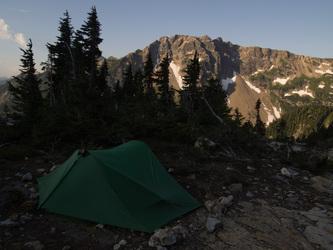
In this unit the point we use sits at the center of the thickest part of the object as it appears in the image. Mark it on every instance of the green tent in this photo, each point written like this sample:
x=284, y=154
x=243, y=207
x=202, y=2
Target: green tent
x=125, y=186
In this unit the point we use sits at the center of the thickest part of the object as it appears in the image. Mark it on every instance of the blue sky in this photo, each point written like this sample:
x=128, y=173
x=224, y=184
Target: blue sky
x=299, y=26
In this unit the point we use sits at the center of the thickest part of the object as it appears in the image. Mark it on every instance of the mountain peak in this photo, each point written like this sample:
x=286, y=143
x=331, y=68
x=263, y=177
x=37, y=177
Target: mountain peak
x=279, y=78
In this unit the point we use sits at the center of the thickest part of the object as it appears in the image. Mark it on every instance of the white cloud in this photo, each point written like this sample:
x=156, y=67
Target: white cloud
x=5, y=34
x=20, y=39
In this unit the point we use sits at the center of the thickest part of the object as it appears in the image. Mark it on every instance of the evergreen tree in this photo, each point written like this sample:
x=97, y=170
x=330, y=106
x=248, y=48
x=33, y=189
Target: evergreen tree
x=91, y=33
x=60, y=64
x=27, y=97
x=238, y=117
x=79, y=56
x=148, y=72
x=128, y=82
x=216, y=99
x=259, y=125
x=102, y=77
x=162, y=82
x=189, y=94
x=138, y=84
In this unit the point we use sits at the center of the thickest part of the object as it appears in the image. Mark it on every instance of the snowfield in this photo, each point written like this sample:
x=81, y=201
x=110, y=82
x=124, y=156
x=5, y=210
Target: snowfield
x=328, y=71
x=227, y=81
x=175, y=68
x=282, y=81
x=303, y=92
x=257, y=72
x=253, y=87
x=277, y=112
x=270, y=117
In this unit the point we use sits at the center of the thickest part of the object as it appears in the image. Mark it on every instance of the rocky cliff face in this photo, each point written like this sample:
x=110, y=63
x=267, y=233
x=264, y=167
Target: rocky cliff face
x=279, y=78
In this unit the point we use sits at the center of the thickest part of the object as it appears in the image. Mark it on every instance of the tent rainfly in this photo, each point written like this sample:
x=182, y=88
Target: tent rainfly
x=125, y=187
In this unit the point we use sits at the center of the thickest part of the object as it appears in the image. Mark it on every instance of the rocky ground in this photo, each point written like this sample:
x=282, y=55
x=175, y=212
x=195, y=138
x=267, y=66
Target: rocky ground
x=248, y=203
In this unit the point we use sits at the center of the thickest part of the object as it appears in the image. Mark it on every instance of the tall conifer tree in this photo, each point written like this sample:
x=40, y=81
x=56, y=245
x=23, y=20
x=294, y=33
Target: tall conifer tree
x=162, y=82
x=148, y=72
x=91, y=31
x=60, y=65
x=27, y=97
x=259, y=125
x=189, y=94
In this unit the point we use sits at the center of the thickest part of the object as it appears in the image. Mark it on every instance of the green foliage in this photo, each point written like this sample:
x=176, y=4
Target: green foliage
x=148, y=73
x=27, y=96
x=258, y=77
x=303, y=122
x=189, y=94
x=272, y=72
x=259, y=125
x=283, y=62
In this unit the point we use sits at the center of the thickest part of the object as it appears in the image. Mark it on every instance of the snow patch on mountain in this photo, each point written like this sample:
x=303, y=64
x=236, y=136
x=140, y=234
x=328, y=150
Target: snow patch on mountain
x=277, y=112
x=175, y=68
x=282, y=81
x=253, y=87
x=257, y=72
x=227, y=81
x=328, y=71
x=270, y=116
x=301, y=93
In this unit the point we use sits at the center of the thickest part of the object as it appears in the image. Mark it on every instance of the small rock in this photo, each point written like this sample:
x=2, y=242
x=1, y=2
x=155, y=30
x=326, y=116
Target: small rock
x=225, y=201
x=15, y=217
x=41, y=170
x=26, y=217
x=250, y=169
x=249, y=194
x=192, y=177
x=28, y=205
x=34, y=196
x=116, y=247
x=236, y=188
x=122, y=242
x=36, y=245
x=285, y=172
x=120, y=245
x=100, y=226
x=209, y=204
x=180, y=230
x=27, y=177
x=163, y=237
x=8, y=223
x=212, y=224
